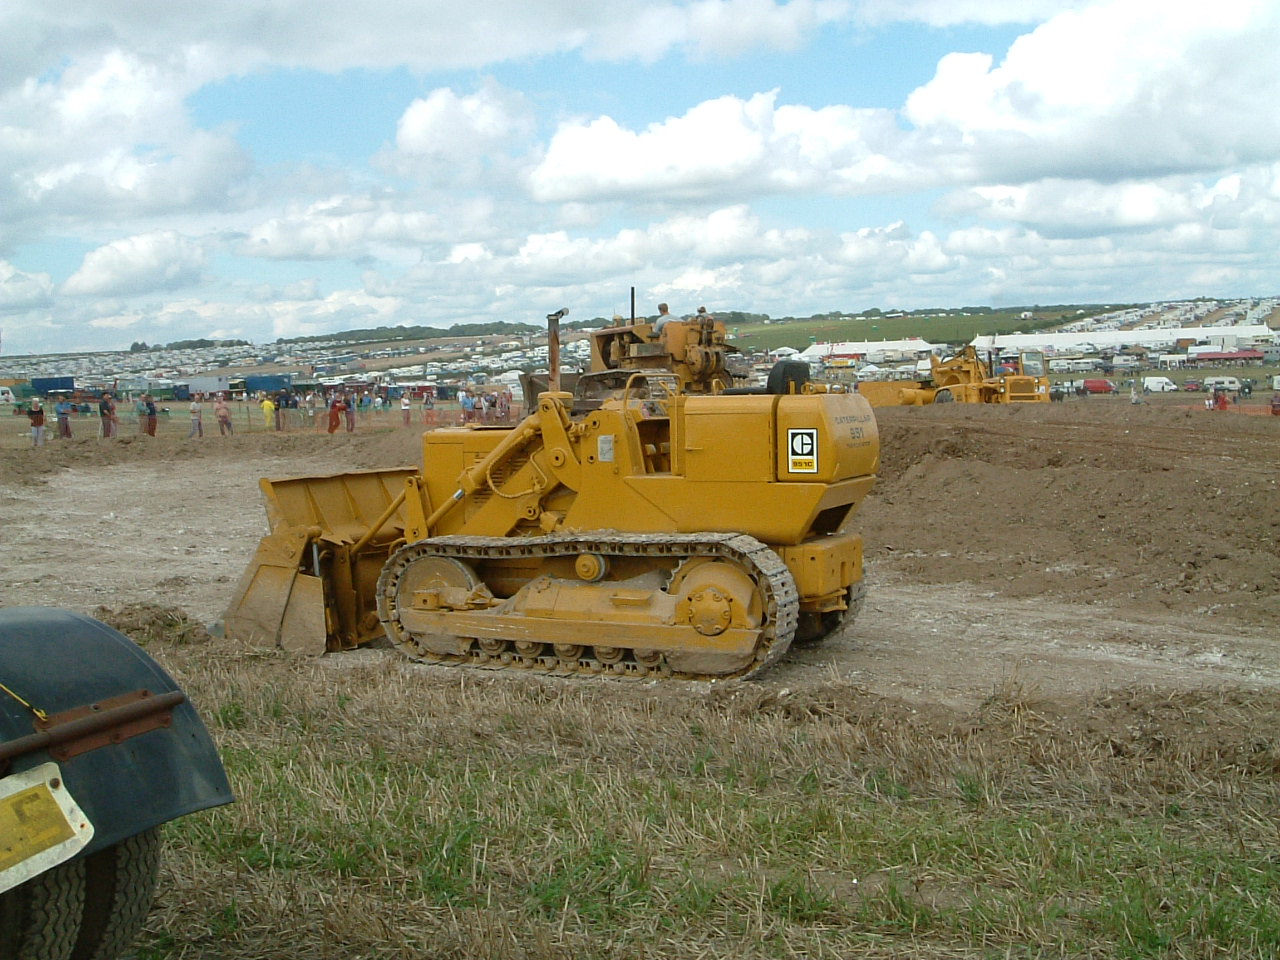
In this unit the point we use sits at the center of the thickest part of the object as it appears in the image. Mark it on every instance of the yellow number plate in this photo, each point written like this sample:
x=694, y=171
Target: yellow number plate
x=40, y=824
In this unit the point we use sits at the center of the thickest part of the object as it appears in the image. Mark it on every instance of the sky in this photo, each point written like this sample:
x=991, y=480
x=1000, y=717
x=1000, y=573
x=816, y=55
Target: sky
x=261, y=171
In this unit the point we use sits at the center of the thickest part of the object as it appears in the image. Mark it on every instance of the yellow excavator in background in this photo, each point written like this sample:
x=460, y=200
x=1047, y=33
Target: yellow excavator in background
x=965, y=378
x=658, y=532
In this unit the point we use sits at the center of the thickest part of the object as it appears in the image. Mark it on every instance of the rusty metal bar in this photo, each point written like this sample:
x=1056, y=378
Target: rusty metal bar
x=90, y=725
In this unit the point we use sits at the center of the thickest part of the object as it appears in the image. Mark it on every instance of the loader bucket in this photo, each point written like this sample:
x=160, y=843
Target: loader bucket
x=310, y=586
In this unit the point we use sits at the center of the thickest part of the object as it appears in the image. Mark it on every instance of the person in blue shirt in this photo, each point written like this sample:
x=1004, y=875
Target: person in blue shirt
x=62, y=409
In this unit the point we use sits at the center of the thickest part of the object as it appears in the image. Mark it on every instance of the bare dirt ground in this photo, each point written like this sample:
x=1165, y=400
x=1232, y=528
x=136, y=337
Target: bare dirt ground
x=1072, y=548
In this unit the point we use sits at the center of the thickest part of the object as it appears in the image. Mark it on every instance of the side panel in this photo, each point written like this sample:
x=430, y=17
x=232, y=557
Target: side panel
x=826, y=438
x=729, y=438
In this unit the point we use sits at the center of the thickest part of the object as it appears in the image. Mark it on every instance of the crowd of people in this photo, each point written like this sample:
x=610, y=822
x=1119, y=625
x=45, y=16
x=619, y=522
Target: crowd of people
x=334, y=410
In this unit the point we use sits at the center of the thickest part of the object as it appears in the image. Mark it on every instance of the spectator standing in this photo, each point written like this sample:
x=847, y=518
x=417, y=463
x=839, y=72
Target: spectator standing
x=468, y=406
x=350, y=403
x=140, y=411
x=197, y=419
x=35, y=413
x=150, y=414
x=223, y=414
x=406, y=408
x=336, y=409
x=268, y=412
x=62, y=411
x=107, y=414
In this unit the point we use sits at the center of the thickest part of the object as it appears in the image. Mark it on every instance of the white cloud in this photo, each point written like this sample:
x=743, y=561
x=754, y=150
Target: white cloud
x=333, y=35
x=1134, y=85
x=344, y=228
x=1065, y=208
x=158, y=261
x=721, y=147
x=108, y=135
x=447, y=139
x=947, y=13
x=1122, y=87
x=734, y=27
x=458, y=128
x=21, y=291
x=1121, y=147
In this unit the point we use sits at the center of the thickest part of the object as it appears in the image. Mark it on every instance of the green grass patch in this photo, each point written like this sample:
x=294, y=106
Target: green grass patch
x=518, y=817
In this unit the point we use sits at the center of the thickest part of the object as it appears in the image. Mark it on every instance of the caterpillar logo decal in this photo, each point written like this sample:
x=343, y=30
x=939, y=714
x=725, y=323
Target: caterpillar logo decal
x=802, y=450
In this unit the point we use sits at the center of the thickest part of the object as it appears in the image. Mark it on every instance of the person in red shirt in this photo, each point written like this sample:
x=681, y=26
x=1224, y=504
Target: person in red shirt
x=336, y=409
x=35, y=413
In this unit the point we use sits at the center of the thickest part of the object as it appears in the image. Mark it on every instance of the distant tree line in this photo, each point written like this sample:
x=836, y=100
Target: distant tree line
x=383, y=334
x=140, y=346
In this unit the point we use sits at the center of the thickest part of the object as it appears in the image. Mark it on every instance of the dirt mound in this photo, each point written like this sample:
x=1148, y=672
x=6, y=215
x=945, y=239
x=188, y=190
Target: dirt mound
x=145, y=623
x=1096, y=500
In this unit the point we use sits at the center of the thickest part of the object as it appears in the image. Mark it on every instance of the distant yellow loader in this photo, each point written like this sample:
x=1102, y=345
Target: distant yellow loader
x=965, y=378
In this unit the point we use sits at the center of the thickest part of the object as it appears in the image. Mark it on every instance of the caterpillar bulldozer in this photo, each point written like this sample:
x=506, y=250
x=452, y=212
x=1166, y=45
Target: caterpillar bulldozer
x=659, y=532
x=692, y=351
x=965, y=378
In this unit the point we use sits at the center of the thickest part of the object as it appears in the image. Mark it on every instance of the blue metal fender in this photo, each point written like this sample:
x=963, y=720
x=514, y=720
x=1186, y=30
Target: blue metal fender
x=125, y=781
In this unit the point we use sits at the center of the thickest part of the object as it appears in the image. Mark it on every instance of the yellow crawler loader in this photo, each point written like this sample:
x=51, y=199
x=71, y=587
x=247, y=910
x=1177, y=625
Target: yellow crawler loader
x=965, y=378
x=659, y=534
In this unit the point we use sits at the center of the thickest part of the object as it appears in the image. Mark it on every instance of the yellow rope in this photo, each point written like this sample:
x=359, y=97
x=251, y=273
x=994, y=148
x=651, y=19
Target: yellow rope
x=40, y=714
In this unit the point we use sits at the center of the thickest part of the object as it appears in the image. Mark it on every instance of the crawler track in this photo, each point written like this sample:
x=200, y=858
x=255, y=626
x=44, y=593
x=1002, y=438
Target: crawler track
x=623, y=655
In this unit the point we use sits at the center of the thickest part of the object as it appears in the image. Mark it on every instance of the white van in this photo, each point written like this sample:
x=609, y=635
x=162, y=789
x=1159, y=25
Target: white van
x=1159, y=385
x=1231, y=384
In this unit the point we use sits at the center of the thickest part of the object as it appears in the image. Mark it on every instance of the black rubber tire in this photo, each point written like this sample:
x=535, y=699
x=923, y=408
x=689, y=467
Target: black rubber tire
x=86, y=909
x=40, y=919
x=120, y=883
x=943, y=396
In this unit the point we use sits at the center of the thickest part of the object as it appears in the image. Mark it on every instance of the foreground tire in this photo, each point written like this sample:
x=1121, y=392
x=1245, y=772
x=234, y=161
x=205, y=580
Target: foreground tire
x=86, y=909
x=40, y=919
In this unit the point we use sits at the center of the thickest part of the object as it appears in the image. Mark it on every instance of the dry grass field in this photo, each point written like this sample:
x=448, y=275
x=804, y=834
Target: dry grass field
x=1052, y=732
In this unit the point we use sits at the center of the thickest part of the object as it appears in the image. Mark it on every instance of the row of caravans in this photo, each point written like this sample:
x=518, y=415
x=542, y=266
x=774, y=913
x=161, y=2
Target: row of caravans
x=1085, y=364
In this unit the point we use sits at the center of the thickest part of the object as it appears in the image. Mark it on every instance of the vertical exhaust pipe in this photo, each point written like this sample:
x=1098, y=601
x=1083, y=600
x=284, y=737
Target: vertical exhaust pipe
x=553, y=347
